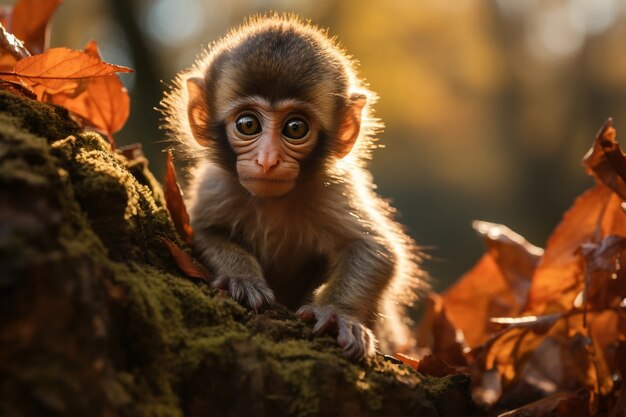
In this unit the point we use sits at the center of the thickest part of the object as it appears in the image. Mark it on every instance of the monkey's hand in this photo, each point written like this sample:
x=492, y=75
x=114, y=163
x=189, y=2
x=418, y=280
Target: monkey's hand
x=357, y=341
x=249, y=291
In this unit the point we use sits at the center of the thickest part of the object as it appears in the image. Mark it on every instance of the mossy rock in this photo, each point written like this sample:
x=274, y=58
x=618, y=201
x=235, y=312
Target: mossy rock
x=97, y=320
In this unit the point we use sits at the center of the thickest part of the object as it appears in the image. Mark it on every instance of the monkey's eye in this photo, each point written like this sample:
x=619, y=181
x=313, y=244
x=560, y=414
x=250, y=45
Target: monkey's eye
x=248, y=124
x=295, y=128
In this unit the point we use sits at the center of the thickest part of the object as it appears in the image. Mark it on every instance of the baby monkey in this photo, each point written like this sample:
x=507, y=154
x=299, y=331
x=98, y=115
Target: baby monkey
x=281, y=204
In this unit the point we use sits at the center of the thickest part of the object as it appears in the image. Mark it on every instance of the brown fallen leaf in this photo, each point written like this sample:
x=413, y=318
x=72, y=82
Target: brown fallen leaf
x=559, y=277
x=31, y=20
x=496, y=286
x=60, y=70
x=433, y=366
x=407, y=360
x=605, y=281
x=605, y=160
x=185, y=262
x=508, y=352
x=516, y=257
x=545, y=360
x=103, y=102
x=564, y=335
x=175, y=203
x=429, y=365
x=437, y=335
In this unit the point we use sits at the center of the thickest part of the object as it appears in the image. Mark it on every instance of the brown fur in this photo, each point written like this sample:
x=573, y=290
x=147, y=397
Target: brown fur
x=331, y=229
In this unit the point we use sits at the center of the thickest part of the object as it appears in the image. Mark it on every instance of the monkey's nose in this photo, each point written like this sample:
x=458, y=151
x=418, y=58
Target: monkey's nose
x=267, y=162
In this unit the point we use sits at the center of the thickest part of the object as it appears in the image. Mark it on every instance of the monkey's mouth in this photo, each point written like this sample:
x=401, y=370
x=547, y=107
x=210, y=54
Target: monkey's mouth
x=267, y=187
x=267, y=180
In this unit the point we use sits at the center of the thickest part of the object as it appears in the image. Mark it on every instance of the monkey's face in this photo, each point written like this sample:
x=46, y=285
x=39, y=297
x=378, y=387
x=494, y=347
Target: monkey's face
x=270, y=141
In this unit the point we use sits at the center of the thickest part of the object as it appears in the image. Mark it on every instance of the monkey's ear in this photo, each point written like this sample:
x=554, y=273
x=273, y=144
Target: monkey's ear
x=351, y=125
x=197, y=110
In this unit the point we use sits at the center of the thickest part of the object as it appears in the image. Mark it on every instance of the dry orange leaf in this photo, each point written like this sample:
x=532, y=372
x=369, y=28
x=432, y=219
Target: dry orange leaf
x=60, y=69
x=103, y=103
x=594, y=216
x=185, y=262
x=30, y=22
x=559, y=276
x=606, y=161
x=568, y=330
x=437, y=333
x=433, y=366
x=175, y=203
x=407, y=360
x=496, y=286
x=605, y=285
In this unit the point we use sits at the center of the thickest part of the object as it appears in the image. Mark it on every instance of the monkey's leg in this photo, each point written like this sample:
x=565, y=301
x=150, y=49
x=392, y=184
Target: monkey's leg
x=347, y=303
x=236, y=270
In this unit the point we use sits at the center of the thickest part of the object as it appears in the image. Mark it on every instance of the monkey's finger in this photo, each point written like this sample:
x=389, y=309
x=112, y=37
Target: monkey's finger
x=252, y=297
x=357, y=350
x=265, y=291
x=250, y=292
x=306, y=313
x=326, y=321
x=345, y=337
x=369, y=342
x=236, y=290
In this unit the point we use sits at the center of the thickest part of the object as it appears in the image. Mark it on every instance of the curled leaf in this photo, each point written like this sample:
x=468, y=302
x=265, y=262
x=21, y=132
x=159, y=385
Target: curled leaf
x=606, y=161
x=103, y=102
x=560, y=274
x=407, y=360
x=516, y=257
x=433, y=366
x=175, y=203
x=185, y=262
x=497, y=285
x=605, y=283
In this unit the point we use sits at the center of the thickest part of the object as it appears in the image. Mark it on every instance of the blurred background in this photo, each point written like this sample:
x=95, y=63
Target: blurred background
x=488, y=105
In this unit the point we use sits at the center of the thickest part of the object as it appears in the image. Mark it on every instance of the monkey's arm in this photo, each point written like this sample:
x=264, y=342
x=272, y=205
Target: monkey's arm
x=236, y=270
x=344, y=305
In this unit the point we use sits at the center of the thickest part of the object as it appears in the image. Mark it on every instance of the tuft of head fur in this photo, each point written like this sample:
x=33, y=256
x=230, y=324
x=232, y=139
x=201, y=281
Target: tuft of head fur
x=275, y=56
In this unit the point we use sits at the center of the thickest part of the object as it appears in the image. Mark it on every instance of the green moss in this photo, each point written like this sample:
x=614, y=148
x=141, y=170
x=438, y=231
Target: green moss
x=22, y=155
x=122, y=210
x=295, y=361
x=43, y=120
